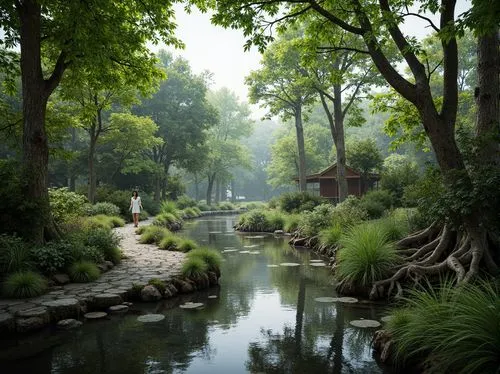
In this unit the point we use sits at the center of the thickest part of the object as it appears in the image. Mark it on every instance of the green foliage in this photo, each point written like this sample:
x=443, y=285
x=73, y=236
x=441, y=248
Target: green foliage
x=143, y=215
x=194, y=267
x=376, y=202
x=296, y=202
x=184, y=201
x=350, y=212
x=153, y=234
x=457, y=329
x=53, y=256
x=311, y=223
x=158, y=284
x=226, y=205
x=190, y=213
x=363, y=155
x=330, y=236
x=120, y=198
x=166, y=219
x=291, y=222
x=261, y=220
x=106, y=241
x=169, y=242
x=24, y=284
x=149, y=204
x=65, y=204
x=85, y=253
x=210, y=257
x=83, y=272
x=14, y=254
x=204, y=207
x=256, y=205
x=104, y=222
x=276, y=220
x=186, y=245
x=169, y=207
x=398, y=173
x=366, y=255
x=104, y=208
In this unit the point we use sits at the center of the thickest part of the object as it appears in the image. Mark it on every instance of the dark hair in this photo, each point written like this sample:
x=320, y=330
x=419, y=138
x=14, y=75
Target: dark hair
x=136, y=193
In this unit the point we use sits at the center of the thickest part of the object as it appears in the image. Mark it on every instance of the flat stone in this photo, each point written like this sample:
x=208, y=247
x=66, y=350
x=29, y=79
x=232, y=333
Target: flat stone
x=110, y=265
x=349, y=300
x=118, y=309
x=289, y=264
x=190, y=305
x=68, y=324
x=212, y=296
x=63, y=308
x=105, y=300
x=317, y=264
x=365, y=323
x=61, y=278
x=120, y=292
x=31, y=323
x=127, y=303
x=40, y=311
x=278, y=232
x=95, y=315
x=273, y=266
x=149, y=318
x=19, y=307
x=7, y=322
x=315, y=260
x=325, y=299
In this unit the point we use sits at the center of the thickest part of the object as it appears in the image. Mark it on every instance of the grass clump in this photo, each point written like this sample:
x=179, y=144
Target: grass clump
x=169, y=242
x=165, y=219
x=210, y=257
x=395, y=228
x=170, y=207
x=456, y=329
x=15, y=255
x=275, y=219
x=366, y=255
x=194, y=267
x=153, y=234
x=117, y=221
x=291, y=222
x=106, y=241
x=330, y=236
x=186, y=245
x=24, y=284
x=84, y=272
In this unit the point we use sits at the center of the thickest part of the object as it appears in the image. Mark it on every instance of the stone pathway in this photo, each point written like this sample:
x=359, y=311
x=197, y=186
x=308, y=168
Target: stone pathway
x=142, y=263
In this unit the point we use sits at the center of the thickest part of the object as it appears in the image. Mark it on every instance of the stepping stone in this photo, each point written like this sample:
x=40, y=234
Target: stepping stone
x=118, y=309
x=315, y=260
x=63, y=308
x=41, y=312
x=326, y=299
x=149, y=318
x=106, y=300
x=117, y=291
x=349, y=300
x=289, y=264
x=212, y=296
x=254, y=252
x=244, y=251
x=19, y=307
x=318, y=264
x=273, y=266
x=250, y=246
x=229, y=250
x=68, y=324
x=95, y=315
x=365, y=323
x=256, y=237
x=190, y=305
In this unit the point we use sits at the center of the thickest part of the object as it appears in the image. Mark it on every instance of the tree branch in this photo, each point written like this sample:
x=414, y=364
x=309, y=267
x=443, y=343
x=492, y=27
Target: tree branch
x=336, y=20
x=431, y=24
x=57, y=73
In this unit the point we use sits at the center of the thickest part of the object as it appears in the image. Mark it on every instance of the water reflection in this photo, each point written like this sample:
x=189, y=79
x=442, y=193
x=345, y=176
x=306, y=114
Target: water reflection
x=264, y=320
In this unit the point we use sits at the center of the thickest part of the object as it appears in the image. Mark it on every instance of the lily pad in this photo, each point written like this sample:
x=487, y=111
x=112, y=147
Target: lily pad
x=350, y=300
x=386, y=318
x=326, y=299
x=365, y=323
x=273, y=266
x=95, y=315
x=149, y=318
x=191, y=305
x=289, y=264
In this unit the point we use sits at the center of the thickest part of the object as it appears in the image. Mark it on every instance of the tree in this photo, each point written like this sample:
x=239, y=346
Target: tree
x=364, y=156
x=398, y=172
x=475, y=232
x=182, y=113
x=77, y=35
x=281, y=84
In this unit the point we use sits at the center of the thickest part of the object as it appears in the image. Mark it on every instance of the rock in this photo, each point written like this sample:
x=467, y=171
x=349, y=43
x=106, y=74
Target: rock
x=118, y=309
x=68, y=324
x=41, y=312
x=105, y=300
x=317, y=264
x=212, y=296
x=190, y=305
x=102, y=268
x=127, y=303
x=148, y=318
x=30, y=324
x=109, y=264
x=150, y=293
x=315, y=260
x=167, y=294
x=186, y=287
x=350, y=300
x=7, y=322
x=63, y=308
x=95, y=315
x=365, y=323
x=278, y=232
x=118, y=291
x=173, y=289
x=20, y=307
x=213, y=279
x=61, y=278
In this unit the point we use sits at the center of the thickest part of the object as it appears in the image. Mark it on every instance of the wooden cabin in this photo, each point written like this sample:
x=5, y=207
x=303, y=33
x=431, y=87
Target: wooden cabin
x=325, y=183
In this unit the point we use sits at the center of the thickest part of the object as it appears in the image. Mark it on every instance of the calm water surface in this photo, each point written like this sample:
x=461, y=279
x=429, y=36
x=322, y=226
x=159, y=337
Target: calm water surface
x=264, y=320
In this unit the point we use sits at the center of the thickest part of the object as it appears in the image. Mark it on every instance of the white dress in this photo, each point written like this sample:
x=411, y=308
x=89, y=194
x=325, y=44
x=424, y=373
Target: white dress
x=136, y=204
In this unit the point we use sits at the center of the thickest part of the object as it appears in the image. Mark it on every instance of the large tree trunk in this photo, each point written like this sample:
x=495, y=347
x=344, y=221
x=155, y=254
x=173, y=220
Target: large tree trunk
x=211, y=179
x=340, y=142
x=300, y=144
x=217, y=191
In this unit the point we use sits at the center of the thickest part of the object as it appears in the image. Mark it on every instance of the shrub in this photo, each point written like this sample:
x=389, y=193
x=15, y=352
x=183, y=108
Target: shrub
x=105, y=208
x=330, y=236
x=100, y=221
x=53, y=256
x=149, y=203
x=210, y=257
x=83, y=272
x=258, y=205
x=24, y=284
x=376, y=202
x=226, y=206
x=311, y=223
x=169, y=242
x=140, y=230
x=190, y=213
x=14, y=254
x=84, y=253
x=366, y=255
x=166, y=219
x=194, y=267
x=254, y=220
x=153, y=234
x=106, y=241
x=120, y=198
x=65, y=204
x=275, y=219
x=184, y=201
x=457, y=329
x=158, y=284
x=143, y=215
x=169, y=207
x=349, y=212
x=186, y=245
x=295, y=202
x=197, y=211
x=204, y=207
x=375, y=209
x=117, y=221
x=396, y=227
x=135, y=291
x=291, y=222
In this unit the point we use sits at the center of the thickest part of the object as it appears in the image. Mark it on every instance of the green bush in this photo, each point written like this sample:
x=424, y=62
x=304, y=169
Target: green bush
x=120, y=198
x=106, y=241
x=166, y=219
x=143, y=215
x=186, y=245
x=153, y=234
x=258, y=205
x=83, y=272
x=158, y=284
x=275, y=219
x=169, y=207
x=169, y=242
x=65, y=204
x=311, y=223
x=84, y=253
x=366, y=255
x=14, y=254
x=99, y=222
x=254, y=220
x=330, y=236
x=53, y=256
x=24, y=284
x=194, y=267
x=349, y=212
x=396, y=227
x=291, y=222
x=190, y=213
x=184, y=201
x=197, y=211
x=140, y=230
x=376, y=202
x=226, y=205
x=210, y=257
x=457, y=329
x=296, y=202
x=203, y=206
x=149, y=204
x=104, y=208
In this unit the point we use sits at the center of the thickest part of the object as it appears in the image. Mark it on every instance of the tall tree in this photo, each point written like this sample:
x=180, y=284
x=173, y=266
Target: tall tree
x=281, y=85
x=371, y=21
x=63, y=34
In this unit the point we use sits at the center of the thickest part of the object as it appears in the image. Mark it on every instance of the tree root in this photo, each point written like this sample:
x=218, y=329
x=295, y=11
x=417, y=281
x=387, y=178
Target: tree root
x=420, y=236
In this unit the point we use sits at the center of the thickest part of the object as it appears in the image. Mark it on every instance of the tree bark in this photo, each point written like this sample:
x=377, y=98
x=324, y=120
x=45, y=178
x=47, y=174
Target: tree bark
x=211, y=179
x=233, y=191
x=217, y=191
x=300, y=144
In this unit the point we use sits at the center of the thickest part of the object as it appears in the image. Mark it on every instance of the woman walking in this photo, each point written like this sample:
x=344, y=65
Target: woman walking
x=135, y=207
